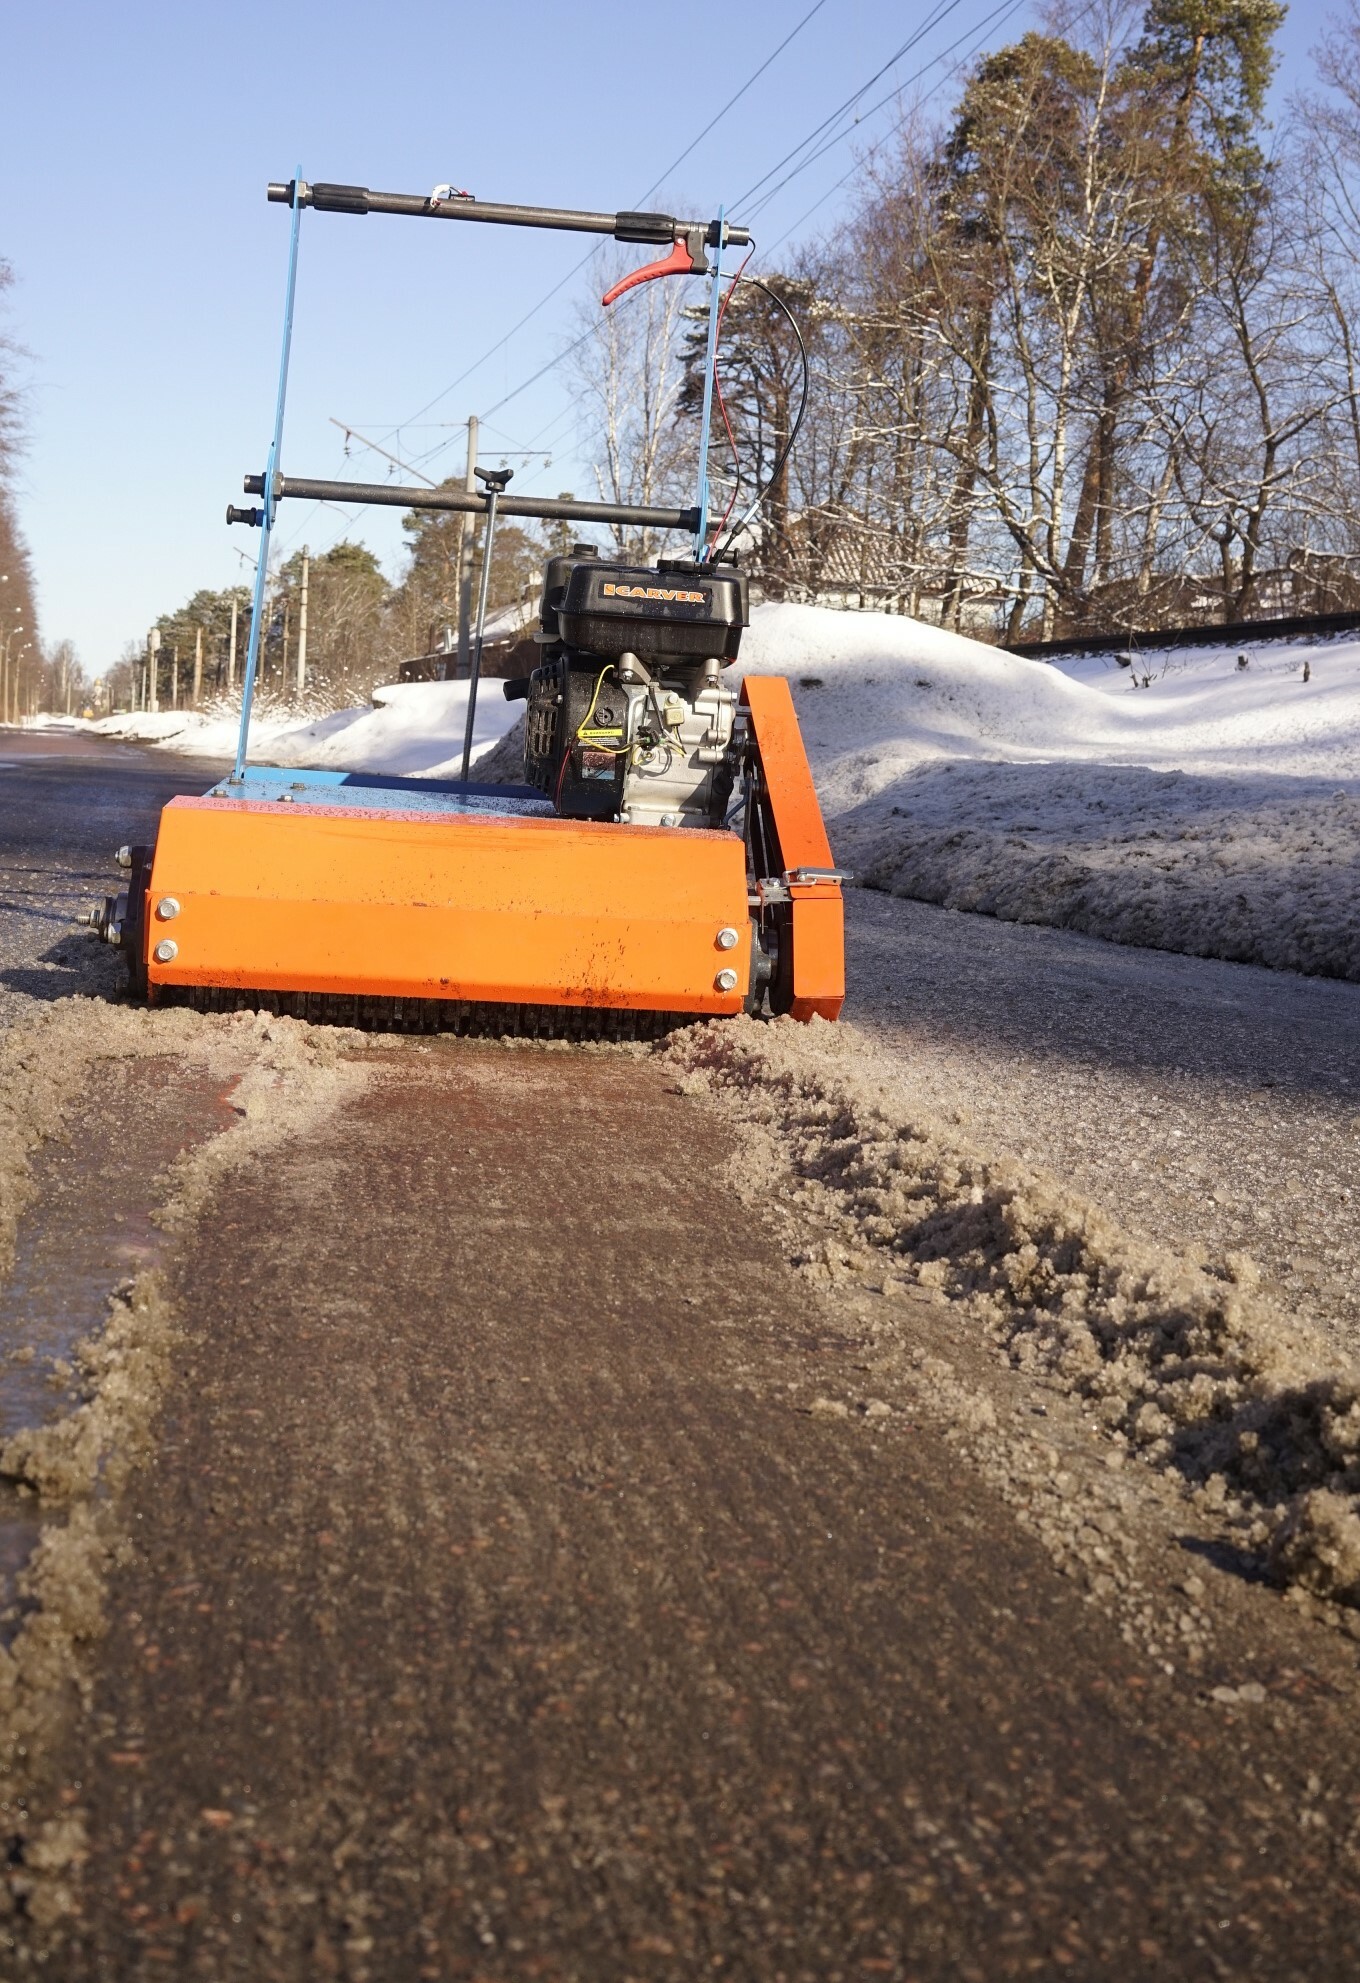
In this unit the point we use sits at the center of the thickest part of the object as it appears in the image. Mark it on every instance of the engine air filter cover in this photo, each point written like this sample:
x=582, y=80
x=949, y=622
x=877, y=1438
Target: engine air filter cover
x=695, y=611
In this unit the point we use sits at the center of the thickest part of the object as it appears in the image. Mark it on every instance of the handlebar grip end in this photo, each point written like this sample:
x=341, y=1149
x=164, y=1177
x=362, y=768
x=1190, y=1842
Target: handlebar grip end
x=328, y=198
x=644, y=227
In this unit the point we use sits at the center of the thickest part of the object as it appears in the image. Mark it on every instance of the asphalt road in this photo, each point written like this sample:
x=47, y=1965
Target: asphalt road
x=500, y=1605
x=67, y=803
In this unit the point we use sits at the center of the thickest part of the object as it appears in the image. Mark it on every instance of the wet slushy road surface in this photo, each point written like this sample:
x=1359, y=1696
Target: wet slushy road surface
x=497, y=1607
x=68, y=802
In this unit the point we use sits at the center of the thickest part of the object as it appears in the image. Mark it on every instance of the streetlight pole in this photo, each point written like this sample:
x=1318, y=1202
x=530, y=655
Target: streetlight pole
x=5, y=678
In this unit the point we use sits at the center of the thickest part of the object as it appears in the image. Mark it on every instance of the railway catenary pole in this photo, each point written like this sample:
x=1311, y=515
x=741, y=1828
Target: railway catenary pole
x=302, y=625
x=467, y=533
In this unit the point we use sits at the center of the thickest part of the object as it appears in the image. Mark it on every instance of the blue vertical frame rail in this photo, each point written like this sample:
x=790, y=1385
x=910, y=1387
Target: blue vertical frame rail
x=270, y=500
x=706, y=419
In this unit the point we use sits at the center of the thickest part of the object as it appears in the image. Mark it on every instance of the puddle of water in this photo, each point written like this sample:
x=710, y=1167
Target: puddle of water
x=87, y=1231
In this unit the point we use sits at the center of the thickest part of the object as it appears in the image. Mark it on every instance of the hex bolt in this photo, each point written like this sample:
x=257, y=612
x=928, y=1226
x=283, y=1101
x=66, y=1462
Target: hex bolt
x=166, y=952
x=123, y=857
x=727, y=939
x=727, y=981
x=167, y=908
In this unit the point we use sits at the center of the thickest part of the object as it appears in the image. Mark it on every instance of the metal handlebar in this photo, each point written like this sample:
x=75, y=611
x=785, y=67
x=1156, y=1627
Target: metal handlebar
x=326, y=197
x=474, y=503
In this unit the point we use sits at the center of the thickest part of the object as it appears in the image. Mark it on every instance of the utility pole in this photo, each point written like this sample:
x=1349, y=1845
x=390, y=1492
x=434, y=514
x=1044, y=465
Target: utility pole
x=174, y=676
x=283, y=666
x=153, y=653
x=467, y=532
x=302, y=628
x=198, y=665
x=231, y=651
x=8, y=675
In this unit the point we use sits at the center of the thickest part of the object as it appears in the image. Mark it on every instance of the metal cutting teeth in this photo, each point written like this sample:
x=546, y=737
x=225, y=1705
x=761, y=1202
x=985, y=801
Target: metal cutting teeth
x=435, y=1015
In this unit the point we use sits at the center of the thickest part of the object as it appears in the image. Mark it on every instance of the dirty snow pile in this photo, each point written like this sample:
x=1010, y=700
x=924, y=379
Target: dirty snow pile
x=1189, y=1369
x=1214, y=811
x=413, y=728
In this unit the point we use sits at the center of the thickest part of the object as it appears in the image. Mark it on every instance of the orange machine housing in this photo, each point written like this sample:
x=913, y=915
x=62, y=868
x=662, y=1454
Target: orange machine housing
x=449, y=896
x=272, y=897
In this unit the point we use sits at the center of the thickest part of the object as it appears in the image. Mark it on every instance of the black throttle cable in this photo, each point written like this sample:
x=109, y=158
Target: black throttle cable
x=787, y=449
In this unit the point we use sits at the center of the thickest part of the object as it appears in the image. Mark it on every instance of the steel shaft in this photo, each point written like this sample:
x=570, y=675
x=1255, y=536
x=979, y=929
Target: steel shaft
x=624, y=226
x=293, y=487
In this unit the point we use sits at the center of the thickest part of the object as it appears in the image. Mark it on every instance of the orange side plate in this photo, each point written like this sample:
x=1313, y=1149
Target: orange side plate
x=818, y=912
x=457, y=906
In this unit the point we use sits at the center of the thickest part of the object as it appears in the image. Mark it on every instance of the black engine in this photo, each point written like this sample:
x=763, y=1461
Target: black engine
x=627, y=714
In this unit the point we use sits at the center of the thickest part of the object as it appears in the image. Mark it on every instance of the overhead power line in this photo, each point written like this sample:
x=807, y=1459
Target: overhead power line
x=945, y=8
x=572, y=273
x=713, y=122
x=995, y=19
x=798, y=163
x=353, y=434
x=942, y=11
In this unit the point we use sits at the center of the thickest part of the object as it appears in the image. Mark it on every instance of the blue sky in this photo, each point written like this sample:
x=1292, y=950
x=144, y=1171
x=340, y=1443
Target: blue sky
x=134, y=153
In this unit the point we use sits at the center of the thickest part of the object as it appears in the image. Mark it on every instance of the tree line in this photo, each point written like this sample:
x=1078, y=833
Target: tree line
x=21, y=655
x=34, y=675
x=1084, y=353
x=360, y=626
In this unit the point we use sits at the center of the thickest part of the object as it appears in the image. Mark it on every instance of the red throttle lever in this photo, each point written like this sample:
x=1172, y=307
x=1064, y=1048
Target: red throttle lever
x=687, y=257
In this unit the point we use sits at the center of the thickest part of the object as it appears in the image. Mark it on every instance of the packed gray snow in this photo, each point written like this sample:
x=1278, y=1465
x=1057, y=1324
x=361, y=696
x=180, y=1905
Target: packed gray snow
x=1185, y=803
x=1187, y=1367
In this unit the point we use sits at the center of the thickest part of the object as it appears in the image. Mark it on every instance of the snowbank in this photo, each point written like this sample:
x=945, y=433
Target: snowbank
x=1191, y=1369
x=415, y=728
x=1215, y=811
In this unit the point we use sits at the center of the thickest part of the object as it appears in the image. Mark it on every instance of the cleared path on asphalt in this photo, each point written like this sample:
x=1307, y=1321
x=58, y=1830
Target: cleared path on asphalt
x=499, y=1610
